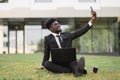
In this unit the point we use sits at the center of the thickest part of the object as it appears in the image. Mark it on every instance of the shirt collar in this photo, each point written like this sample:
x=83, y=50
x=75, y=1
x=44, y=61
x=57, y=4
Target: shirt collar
x=54, y=34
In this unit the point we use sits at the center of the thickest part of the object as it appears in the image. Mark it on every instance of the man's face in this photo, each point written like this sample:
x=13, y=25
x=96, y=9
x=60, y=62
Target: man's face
x=55, y=27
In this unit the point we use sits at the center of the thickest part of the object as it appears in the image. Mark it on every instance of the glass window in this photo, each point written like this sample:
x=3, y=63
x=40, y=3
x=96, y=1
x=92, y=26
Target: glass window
x=43, y=1
x=3, y=1
x=100, y=39
x=87, y=0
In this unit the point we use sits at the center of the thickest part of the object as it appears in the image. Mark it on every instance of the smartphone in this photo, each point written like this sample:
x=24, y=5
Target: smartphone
x=91, y=8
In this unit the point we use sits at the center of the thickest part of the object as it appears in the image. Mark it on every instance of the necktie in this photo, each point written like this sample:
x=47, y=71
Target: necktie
x=59, y=40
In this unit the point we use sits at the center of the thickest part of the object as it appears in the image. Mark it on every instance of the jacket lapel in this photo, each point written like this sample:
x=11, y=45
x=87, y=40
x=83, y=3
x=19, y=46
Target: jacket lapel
x=52, y=40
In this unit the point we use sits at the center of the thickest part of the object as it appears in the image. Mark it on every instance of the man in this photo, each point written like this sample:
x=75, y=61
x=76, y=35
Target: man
x=52, y=41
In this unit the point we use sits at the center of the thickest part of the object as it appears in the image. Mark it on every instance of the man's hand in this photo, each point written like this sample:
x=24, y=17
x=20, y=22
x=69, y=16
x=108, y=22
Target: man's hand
x=93, y=13
x=39, y=68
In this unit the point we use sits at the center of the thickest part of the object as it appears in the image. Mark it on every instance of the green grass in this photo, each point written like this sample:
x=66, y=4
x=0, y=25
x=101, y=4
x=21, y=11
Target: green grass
x=22, y=67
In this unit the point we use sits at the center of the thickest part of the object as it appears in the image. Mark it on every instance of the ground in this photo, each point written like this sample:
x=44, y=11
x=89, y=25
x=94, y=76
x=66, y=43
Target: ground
x=22, y=67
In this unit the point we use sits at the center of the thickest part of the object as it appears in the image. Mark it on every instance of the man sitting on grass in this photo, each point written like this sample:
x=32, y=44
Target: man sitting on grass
x=52, y=41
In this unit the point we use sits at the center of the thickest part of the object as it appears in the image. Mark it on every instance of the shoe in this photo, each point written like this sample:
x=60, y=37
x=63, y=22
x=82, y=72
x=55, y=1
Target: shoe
x=84, y=71
x=76, y=72
x=81, y=64
x=74, y=68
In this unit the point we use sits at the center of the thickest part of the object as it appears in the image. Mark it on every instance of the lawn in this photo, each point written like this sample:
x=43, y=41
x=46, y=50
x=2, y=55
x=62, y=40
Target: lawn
x=22, y=67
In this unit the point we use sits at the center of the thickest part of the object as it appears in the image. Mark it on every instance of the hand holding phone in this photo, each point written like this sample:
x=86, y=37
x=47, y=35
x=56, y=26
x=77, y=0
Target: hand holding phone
x=92, y=11
x=93, y=17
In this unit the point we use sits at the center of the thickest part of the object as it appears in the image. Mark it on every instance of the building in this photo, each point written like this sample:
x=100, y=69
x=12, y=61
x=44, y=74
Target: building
x=17, y=18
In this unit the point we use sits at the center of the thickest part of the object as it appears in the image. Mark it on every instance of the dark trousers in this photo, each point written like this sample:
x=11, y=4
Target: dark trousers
x=60, y=68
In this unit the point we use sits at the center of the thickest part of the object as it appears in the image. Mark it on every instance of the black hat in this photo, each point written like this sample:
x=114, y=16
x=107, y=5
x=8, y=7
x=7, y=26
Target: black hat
x=49, y=22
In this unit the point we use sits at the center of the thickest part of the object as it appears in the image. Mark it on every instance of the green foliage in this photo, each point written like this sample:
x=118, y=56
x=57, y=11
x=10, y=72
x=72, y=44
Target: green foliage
x=97, y=40
x=40, y=46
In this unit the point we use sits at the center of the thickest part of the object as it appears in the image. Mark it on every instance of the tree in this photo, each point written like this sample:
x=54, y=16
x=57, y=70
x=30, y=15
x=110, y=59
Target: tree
x=40, y=46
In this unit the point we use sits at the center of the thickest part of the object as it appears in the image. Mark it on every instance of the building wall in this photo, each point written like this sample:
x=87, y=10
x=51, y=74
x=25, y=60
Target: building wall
x=58, y=8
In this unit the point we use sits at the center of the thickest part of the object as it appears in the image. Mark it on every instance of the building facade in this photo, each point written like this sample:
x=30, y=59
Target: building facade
x=21, y=21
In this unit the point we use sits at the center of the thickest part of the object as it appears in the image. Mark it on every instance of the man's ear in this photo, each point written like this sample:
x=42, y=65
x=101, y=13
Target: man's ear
x=50, y=29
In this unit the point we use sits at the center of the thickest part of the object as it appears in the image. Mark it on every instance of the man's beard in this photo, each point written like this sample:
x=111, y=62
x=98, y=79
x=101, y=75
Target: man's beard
x=58, y=31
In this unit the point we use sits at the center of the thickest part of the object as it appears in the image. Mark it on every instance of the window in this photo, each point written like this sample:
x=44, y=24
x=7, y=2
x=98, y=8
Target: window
x=87, y=0
x=5, y=44
x=43, y=1
x=3, y=1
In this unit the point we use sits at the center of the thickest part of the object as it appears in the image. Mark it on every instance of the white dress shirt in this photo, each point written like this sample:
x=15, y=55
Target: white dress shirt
x=90, y=24
x=56, y=38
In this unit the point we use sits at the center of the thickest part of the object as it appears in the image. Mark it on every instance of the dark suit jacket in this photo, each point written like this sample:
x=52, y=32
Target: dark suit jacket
x=67, y=38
